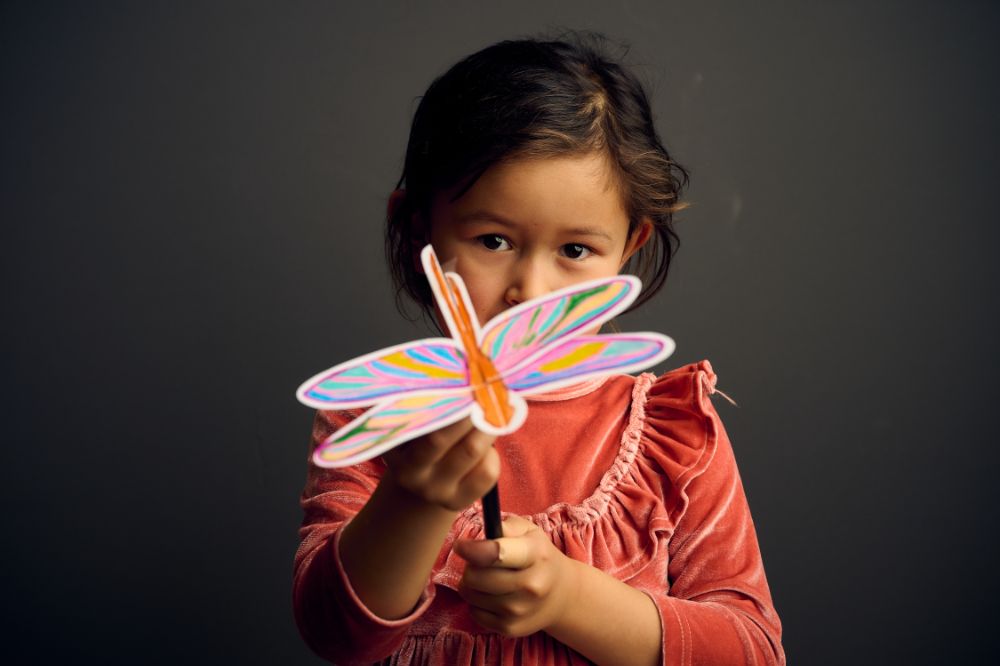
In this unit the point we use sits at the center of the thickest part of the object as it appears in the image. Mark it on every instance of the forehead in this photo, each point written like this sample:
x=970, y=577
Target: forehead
x=541, y=192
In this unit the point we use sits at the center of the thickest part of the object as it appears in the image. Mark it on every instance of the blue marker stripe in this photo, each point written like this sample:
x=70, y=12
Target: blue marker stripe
x=445, y=401
x=590, y=315
x=353, y=394
x=418, y=356
x=557, y=312
x=446, y=353
x=498, y=344
x=360, y=371
x=334, y=385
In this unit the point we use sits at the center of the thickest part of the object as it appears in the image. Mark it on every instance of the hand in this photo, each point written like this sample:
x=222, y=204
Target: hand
x=518, y=584
x=451, y=467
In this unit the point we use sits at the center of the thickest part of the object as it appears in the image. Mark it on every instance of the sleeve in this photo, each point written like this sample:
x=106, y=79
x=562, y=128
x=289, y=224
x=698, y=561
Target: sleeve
x=717, y=607
x=332, y=619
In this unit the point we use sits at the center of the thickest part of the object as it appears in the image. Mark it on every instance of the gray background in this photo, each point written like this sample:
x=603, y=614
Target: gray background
x=192, y=197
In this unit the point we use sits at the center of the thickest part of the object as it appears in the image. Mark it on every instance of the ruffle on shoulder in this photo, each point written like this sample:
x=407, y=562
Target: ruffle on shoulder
x=670, y=439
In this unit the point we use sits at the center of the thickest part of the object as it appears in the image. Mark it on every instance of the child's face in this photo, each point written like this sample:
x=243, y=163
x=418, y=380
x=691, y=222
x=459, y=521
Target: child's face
x=530, y=226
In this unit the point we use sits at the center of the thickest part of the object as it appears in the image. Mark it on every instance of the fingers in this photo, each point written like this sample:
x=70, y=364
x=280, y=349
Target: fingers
x=517, y=549
x=451, y=467
x=515, y=526
x=465, y=454
x=452, y=451
x=504, y=553
x=517, y=584
x=515, y=553
x=508, y=582
x=430, y=448
x=478, y=553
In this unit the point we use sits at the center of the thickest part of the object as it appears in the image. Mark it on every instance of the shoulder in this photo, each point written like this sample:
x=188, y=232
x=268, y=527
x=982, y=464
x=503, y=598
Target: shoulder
x=678, y=425
x=680, y=395
x=686, y=388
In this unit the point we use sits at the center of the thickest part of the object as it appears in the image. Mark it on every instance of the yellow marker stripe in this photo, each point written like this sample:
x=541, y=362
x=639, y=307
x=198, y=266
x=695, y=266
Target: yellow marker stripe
x=581, y=353
x=402, y=360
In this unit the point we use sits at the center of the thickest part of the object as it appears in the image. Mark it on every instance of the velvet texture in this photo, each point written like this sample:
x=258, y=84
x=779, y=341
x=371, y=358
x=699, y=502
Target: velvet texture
x=632, y=475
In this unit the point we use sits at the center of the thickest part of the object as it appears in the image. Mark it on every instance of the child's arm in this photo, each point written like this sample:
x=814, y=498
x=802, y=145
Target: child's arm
x=331, y=614
x=522, y=584
x=389, y=548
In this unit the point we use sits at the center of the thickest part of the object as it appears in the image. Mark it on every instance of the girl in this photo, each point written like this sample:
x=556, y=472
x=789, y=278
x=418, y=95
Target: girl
x=532, y=166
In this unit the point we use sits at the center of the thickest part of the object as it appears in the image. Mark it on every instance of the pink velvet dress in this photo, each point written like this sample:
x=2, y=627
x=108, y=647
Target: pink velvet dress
x=632, y=475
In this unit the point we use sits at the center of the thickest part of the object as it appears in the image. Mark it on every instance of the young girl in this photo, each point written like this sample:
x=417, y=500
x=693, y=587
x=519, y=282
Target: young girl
x=532, y=166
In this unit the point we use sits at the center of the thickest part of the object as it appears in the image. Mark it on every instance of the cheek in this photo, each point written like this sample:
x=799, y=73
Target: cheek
x=484, y=290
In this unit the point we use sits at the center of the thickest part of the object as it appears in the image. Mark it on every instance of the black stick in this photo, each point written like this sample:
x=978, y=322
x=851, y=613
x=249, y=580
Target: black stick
x=491, y=514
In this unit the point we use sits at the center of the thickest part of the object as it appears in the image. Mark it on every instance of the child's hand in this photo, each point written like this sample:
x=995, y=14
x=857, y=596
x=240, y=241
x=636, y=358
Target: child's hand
x=519, y=584
x=451, y=467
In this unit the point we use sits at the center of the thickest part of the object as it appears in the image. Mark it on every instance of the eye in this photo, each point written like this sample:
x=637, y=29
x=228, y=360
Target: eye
x=494, y=242
x=576, y=251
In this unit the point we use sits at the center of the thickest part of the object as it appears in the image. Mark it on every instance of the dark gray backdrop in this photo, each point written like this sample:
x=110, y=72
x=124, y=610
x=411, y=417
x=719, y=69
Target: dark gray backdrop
x=192, y=198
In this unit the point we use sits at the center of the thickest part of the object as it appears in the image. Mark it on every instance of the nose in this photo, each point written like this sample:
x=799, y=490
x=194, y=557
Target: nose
x=526, y=281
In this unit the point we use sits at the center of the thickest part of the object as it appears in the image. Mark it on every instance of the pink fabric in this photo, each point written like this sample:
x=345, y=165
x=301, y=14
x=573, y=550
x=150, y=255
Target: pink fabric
x=632, y=475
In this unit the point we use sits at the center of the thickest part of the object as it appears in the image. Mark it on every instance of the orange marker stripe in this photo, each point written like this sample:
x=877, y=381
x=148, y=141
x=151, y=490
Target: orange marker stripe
x=487, y=387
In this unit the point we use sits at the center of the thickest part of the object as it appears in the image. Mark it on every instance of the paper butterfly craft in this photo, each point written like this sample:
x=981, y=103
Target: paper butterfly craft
x=425, y=385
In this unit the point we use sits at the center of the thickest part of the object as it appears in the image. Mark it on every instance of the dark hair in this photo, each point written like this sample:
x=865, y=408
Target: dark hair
x=531, y=98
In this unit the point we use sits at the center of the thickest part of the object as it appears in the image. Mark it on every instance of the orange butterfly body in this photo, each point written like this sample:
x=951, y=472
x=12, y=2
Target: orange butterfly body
x=487, y=385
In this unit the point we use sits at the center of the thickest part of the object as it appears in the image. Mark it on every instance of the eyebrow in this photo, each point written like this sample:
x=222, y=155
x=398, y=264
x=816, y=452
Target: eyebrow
x=483, y=216
x=489, y=216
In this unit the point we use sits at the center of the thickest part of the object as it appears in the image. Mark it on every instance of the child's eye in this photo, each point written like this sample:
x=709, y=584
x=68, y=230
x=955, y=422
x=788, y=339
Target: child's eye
x=494, y=242
x=576, y=251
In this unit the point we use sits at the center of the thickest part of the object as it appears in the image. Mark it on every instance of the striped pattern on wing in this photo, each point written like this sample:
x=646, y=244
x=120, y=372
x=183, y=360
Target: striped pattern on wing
x=515, y=335
x=389, y=424
x=582, y=357
x=417, y=366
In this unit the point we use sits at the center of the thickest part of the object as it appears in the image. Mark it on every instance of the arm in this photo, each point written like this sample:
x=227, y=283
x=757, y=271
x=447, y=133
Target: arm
x=371, y=534
x=606, y=616
x=719, y=608
x=388, y=550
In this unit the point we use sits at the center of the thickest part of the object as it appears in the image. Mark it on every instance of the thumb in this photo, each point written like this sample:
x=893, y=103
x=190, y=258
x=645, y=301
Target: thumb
x=477, y=552
x=509, y=552
x=515, y=526
x=516, y=551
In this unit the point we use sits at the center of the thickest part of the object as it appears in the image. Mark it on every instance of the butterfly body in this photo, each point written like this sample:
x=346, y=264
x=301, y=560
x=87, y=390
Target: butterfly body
x=425, y=385
x=488, y=389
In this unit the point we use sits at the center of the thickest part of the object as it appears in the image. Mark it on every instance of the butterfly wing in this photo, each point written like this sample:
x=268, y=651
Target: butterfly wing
x=516, y=335
x=424, y=365
x=390, y=424
x=583, y=357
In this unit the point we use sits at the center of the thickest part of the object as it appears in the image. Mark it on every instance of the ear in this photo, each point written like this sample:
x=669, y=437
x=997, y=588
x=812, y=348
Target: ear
x=396, y=198
x=418, y=231
x=639, y=237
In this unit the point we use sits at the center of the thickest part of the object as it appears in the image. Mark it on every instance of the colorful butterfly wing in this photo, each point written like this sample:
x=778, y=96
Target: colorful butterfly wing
x=514, y=336
x=390, y=424
x=584, y=357
x=432, y=364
